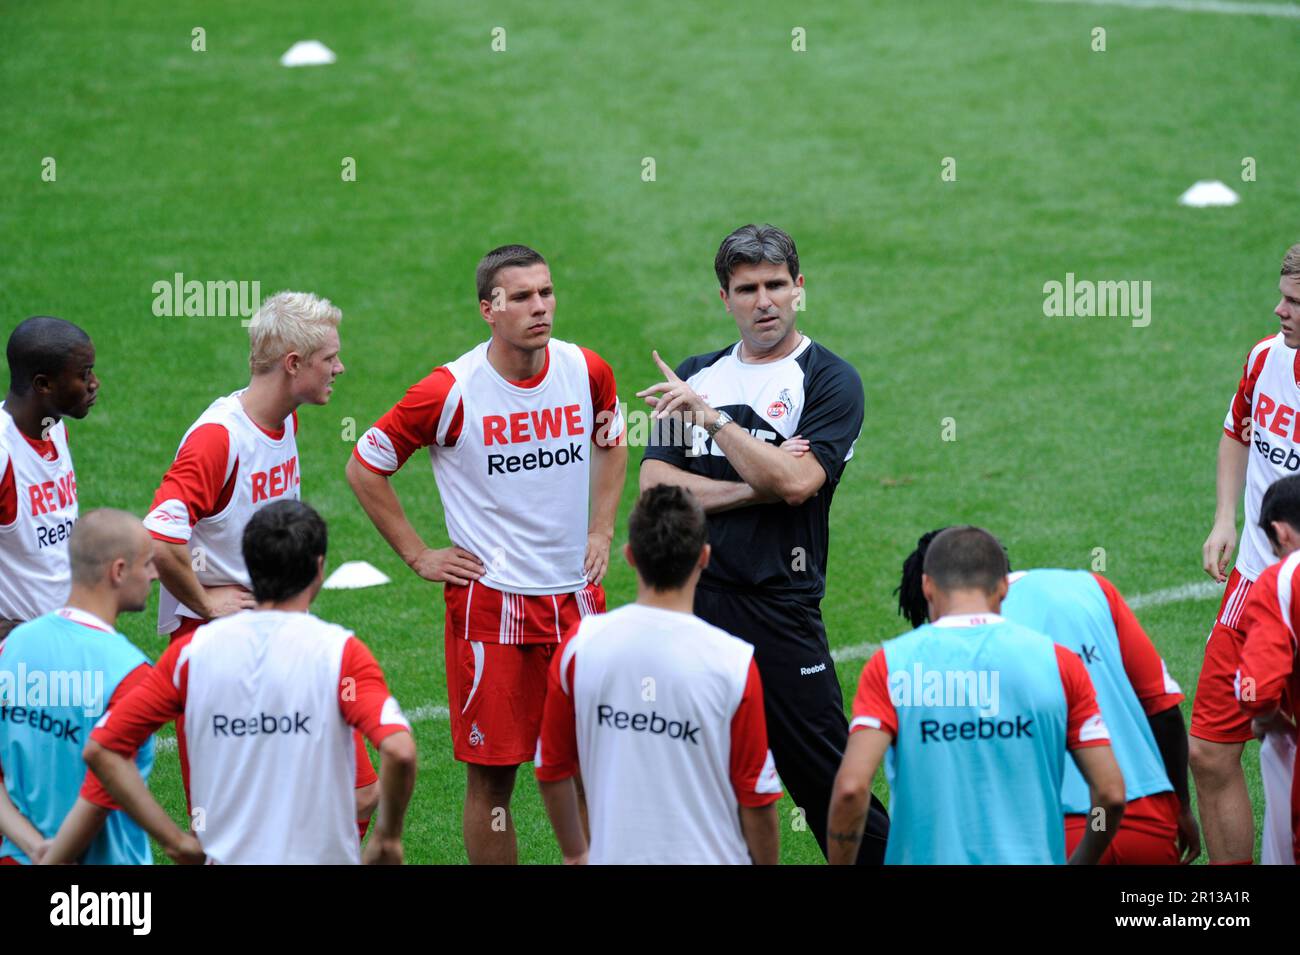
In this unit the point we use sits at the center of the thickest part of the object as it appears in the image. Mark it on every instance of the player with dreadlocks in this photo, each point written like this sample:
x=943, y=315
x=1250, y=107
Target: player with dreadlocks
x=1139, y=702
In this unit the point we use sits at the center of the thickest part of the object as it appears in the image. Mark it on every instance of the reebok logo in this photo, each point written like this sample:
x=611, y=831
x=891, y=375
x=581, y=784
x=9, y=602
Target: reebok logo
x=1275, y=454
x=932, y=731
x=808, y=671
x=264, y=723
x=534, y=460
x=42, y=722
x=606, y=715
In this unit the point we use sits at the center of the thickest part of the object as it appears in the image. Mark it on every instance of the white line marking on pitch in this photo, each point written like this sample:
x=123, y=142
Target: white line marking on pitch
x=1200, y=590
x=1287, y=11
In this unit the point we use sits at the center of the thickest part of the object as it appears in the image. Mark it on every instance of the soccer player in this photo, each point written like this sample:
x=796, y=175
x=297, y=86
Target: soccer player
x=663, y=716
x=85, y=665
x=525, y=437
x=51, y=376
x=240, y=456
x=271, y=698
x=1259, y=445
x=1084, y=613
x=974, y=778
x=769, y=511
x=1268, y=679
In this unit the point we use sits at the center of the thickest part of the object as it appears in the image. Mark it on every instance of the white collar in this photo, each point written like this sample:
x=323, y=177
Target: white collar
x=968, y=619
x=85, y=619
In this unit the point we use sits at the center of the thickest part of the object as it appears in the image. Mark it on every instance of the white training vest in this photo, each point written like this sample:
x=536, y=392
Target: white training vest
x=35, y=576
x=515, y=486
x=272, y=761
x=656, y=755
x=267, y=472
x=1274, y=449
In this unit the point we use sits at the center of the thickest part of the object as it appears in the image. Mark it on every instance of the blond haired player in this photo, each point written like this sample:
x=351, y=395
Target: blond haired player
x=238, y=457
x=525, y=437
x=1260, y=444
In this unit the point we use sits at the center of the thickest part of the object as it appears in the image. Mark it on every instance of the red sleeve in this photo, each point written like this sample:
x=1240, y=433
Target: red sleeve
x=1083, y=723
x=195, y=486
x=872, y=707
x=557, y=746
x=753, y=772
x=91, y=788
x=610, y=431
x=364, y=699
x=1146, y=671
x=1237, y=423
x=8, y=495
x=1268, y=654
x=157, y=698
x=430, y=413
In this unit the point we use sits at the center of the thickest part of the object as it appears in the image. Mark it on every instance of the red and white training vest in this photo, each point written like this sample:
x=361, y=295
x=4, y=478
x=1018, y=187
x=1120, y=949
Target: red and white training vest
x=1265, y=416
x=272, y=759
x=515, y=487
x=655, y=695
x=260, y=470
x=34, y=572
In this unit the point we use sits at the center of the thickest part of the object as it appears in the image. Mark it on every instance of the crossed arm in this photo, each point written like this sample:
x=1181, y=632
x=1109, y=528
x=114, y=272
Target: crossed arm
x=768, y=473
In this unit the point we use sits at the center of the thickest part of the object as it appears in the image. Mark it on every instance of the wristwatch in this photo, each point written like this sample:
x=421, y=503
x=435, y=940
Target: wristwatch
x=724, y=419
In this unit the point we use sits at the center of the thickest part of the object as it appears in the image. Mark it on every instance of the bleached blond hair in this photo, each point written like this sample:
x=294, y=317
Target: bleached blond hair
x=1291, y=261
x=289, y=322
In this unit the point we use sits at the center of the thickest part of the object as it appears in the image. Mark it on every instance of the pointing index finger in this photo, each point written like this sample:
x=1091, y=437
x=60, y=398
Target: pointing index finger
x=668, y=372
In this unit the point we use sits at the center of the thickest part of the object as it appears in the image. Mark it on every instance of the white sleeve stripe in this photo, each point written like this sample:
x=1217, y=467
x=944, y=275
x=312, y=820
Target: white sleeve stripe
x=616, y=426
x=171, y=518
x=1171, y=685
x=377, y=450
x=1284, y=575
x=1093, y=728
x=182, y=659
x=391, y=714
x=450, y=405
x=869, y=721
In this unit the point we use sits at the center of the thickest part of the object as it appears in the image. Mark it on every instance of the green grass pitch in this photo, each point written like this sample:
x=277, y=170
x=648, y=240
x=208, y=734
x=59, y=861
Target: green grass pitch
x=1071, y=433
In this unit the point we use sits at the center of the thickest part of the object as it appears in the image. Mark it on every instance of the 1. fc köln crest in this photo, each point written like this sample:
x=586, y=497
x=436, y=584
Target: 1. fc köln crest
x=783, y=405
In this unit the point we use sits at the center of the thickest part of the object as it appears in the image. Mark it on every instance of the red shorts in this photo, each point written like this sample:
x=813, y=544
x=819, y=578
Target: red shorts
x=1217, y=715
x=496, y=684
x=366, y=774
x=1148, y=833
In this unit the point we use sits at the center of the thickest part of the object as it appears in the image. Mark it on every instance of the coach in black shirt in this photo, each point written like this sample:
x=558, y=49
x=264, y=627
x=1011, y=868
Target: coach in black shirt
x=760, y=433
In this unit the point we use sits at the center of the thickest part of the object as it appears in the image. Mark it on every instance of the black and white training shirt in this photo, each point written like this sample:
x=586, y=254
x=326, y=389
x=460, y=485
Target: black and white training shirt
x=773, y=548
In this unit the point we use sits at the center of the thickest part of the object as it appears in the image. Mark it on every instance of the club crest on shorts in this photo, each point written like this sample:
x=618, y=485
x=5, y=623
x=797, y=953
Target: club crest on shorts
x=475, y=735
x=783, y=405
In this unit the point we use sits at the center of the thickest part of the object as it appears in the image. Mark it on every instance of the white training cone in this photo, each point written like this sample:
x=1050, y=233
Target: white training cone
x=1208, y=192
x=355, y=574
x=308, y=53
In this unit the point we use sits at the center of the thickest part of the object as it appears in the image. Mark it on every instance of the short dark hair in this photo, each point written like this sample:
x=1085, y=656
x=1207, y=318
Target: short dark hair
x=502, y=257
x=966, y=557
x=41, y=345
x=1281, y=503
x=667, y=531
x=282, y=544
x=752, y=244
